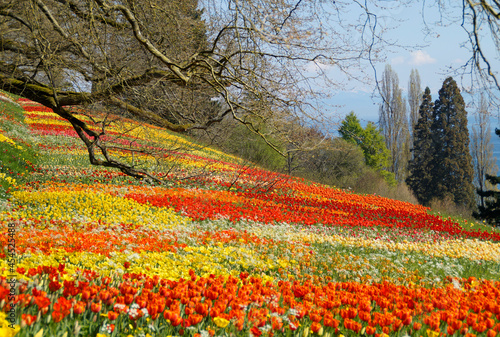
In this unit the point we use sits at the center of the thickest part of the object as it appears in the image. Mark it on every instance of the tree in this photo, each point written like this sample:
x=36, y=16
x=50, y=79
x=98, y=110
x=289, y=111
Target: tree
x=490, y=210
x=337, y=162
x=414, y=100
x=146, y=59
x=371, y=142
x=420, y=166
x=482, y=151
x=452, y=171
x=351, y=129
x=481, y=20
x=393, y=122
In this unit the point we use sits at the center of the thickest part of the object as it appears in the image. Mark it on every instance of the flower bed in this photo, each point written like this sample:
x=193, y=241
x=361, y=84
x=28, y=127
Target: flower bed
x=229, y=250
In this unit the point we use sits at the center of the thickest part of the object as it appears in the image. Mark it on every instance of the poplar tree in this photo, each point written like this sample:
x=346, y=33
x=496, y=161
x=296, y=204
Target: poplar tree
x=452, y=169
x=420, y=166
x=393, y=122
x=414, y=100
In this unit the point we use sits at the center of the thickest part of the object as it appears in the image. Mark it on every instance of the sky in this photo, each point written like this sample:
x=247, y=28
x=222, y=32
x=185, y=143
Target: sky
x=432, y=55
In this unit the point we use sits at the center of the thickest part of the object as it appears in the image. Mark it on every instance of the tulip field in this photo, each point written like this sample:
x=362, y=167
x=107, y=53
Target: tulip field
x=223, y=248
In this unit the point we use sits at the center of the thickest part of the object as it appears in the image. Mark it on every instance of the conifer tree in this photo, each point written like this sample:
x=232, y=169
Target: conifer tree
x=371, y=142
x=483, y=160
x=490, y=211
x=452, y=169
x=420, y=178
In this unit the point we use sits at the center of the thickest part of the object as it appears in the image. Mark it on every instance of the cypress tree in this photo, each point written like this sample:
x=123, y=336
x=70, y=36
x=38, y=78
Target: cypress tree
x=420, y=178
x=452, y=169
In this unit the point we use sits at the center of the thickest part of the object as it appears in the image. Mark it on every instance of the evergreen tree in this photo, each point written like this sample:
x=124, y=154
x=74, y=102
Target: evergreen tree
x=452, y=169
x=371, y=142
x=490, y=211
x=351, y=129
x=420, y=178
x=483, y=160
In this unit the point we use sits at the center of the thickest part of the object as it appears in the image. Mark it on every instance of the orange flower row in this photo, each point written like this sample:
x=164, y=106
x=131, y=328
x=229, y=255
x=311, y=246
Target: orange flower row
x=248, y=303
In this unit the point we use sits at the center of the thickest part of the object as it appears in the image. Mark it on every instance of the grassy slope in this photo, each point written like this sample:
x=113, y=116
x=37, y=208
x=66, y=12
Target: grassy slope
x=65, y=201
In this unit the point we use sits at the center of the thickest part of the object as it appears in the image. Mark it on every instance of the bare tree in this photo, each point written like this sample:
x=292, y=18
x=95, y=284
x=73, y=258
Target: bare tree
x=393, y=122
x=256, y=59
x=482, y=150
x=481, y=22
x=414, y=99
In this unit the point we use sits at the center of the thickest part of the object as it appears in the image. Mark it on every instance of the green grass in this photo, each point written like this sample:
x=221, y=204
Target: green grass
x=18, y=155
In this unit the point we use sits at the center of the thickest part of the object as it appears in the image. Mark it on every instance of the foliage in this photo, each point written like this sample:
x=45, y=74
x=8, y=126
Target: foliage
x=337, y=163
x=420, y=177
x=482, y=151
x=490, y=211
x=240, y=141
x=17, y=155
x=452, y=172
x=371, y=142
x=100, y=255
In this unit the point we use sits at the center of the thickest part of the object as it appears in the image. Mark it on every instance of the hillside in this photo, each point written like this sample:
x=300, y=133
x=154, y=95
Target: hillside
x=223, y=249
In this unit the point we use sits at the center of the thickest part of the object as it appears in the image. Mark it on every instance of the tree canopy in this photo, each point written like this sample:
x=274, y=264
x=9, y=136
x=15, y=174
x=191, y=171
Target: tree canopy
x=371, y=142
x=181, y=65
x=420, y=177
x=441, y=167
x=490, y=209
x=453, y=172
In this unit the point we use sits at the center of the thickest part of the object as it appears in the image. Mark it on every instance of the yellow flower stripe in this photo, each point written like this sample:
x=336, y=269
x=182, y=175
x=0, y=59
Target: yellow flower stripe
x=8, y=179
x=459, y=248
x=69, y=205
x=133, y=129
x=6, y=139
x=218, y=260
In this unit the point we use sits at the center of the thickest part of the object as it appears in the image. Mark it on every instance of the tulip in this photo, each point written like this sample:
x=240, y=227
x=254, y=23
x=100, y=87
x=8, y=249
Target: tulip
x=112, y=315
x=79, y=307
x=96, y=307
x=315, y=327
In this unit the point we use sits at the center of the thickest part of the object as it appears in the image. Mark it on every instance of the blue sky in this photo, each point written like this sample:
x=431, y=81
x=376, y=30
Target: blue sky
x=431, y=53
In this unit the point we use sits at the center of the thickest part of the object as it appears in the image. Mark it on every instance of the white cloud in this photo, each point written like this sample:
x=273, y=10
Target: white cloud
x=398, y=60
x=421, y=57
x=317, y=67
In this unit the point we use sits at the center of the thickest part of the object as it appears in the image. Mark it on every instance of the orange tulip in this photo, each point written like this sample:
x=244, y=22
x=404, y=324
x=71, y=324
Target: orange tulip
x=57, y=316
x=491, y=333
x=112, y=315
x=104, y=295
x=79, y=307
x=202, y=309
x=370, y=330
x=175, y=319
x=315, y=327
x=28, y=319
x=96, y=306
x=195, y=319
